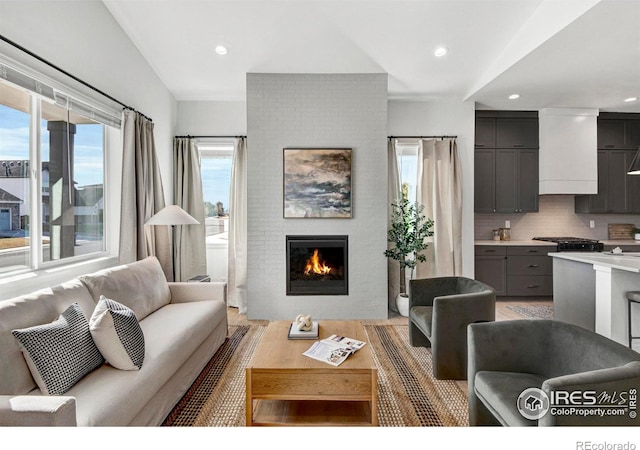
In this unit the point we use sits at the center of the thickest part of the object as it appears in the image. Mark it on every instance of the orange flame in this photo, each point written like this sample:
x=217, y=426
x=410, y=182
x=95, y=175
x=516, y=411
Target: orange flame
x=316, y=266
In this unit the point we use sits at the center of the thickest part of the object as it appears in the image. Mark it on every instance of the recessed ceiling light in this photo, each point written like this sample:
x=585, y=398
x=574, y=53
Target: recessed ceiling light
x=631, y=99
x=221, y=50
x=440, y=51
x=514, y=96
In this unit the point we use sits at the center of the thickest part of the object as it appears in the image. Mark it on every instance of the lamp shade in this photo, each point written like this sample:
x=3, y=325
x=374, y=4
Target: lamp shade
x=634, y=168
x=172, y=215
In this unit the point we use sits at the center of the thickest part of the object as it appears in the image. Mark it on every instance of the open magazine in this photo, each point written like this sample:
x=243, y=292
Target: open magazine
x=334, y=350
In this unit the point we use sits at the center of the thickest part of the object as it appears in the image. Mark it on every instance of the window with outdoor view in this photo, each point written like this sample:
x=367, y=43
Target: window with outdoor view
x=215, y=166
x=408, y=168
x=51, y=180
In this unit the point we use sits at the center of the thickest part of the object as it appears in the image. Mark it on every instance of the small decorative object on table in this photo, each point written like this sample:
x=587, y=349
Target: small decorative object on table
x=304, y=323
x=304, y=328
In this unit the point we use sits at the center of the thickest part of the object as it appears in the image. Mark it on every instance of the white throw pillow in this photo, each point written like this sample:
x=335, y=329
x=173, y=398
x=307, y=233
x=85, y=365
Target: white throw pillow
x=59, y=353
x=117, y=334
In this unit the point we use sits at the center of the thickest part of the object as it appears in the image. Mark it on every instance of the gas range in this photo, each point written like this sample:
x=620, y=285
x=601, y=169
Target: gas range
x=573, y=244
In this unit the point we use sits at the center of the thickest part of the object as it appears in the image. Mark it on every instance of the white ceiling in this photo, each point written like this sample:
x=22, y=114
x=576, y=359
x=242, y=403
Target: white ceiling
x=554, y=53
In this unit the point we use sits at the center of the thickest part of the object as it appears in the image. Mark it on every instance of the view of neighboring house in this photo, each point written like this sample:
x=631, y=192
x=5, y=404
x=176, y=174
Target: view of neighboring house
x=14, y=201
x=14, y=194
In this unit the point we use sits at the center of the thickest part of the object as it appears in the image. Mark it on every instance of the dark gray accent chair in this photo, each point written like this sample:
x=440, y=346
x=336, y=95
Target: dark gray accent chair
x=440, y=309
x=507, y=357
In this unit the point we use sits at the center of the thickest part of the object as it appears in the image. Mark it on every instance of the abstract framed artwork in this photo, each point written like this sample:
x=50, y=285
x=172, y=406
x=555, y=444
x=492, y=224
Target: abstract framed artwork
x=317, y=183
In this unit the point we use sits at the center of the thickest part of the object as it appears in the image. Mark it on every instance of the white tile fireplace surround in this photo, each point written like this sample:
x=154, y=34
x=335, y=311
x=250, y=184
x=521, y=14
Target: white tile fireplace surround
x=317, y=111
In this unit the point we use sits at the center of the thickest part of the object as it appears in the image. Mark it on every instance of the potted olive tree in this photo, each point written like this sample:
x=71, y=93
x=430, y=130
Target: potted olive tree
x=636, y=234
x=409, y=229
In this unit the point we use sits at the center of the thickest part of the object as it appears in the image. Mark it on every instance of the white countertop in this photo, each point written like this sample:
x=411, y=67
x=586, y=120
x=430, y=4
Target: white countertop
x=629, y=261
x=529, y=242
x=551, y=244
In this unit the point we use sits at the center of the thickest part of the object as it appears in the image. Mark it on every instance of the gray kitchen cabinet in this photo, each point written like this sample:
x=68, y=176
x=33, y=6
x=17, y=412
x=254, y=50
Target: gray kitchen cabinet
x=491, y=267
x=515, y=271
x=618, y=193
x=506, y=180
x=529, y=271
x=517, y=133
x=485, y=182
x=506, y=162
x=485, y=135
x=618, y=130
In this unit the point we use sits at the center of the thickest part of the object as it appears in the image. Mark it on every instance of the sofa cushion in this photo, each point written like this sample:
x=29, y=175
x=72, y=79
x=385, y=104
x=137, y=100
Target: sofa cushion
x=499, y=392
x=117, y=334
x=141, y=286
x=421, y=316
x=172, y=335
x=60, y=353
x=36, y=308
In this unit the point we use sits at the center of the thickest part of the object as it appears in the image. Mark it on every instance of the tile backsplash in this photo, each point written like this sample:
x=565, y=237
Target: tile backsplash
x=556, y=217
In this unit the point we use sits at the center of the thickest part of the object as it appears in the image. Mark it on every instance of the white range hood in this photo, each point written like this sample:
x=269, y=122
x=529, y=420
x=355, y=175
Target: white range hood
x=568, y=151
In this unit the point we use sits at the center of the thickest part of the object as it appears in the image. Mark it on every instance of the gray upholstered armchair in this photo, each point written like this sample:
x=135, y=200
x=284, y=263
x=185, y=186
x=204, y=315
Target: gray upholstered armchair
x=508, y=357
x=439, y=311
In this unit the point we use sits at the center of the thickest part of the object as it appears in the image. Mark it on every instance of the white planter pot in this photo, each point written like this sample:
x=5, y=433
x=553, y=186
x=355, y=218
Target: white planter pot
x=402, y=303
x=637, y=237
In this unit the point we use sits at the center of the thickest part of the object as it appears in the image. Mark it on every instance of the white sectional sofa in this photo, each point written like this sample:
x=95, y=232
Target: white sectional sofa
x=183, y=324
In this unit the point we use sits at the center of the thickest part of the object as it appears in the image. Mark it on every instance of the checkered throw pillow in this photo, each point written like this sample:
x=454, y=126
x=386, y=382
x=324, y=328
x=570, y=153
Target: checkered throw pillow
x=60, y=353
x=117, y=334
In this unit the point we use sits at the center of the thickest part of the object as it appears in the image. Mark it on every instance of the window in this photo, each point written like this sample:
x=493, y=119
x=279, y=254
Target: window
x=215, y=167
x=52, y=172
x=408, y=168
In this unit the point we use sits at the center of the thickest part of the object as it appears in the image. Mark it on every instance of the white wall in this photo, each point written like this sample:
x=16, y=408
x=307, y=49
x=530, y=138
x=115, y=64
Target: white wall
x=330, y=110
x=83, y=39
x=451, y=118
x=212, y=118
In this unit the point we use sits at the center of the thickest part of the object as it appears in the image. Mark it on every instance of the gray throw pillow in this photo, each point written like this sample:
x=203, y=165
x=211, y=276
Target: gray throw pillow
x=59, y=353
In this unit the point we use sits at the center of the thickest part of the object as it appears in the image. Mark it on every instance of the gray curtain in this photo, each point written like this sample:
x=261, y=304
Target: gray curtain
x=237, y=283
x=189, y=244
x=440, y=191
x=393, y=195
x=142, y=195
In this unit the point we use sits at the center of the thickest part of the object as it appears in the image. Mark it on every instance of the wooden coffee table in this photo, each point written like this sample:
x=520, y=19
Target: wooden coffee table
x=284, y=387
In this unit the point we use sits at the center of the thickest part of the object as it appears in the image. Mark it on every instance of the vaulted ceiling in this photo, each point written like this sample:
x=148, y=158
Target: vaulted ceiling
x=553, y=53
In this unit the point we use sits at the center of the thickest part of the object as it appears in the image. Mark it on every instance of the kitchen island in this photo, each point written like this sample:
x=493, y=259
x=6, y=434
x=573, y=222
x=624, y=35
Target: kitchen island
x=589, y=289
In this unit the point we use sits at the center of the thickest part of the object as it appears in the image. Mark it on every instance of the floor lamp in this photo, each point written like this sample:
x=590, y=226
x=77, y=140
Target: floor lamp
x=172, y=215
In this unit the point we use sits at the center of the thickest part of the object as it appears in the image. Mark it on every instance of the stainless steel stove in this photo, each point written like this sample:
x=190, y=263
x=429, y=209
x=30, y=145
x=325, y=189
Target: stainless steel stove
x=573, y=244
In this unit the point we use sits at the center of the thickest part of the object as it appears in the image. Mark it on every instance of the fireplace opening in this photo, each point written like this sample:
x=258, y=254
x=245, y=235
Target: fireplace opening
x=317, y=265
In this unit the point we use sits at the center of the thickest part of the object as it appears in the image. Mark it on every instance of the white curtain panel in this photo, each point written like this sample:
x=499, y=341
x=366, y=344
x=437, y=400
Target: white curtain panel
x=440, y=191
x=237, y=283
x=142, y=195
x=393, y=195
x=189, y=241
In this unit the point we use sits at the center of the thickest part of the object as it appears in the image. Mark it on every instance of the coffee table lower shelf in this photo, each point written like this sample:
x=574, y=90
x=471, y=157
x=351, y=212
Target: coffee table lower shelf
x=311, y=413
x=311, y=397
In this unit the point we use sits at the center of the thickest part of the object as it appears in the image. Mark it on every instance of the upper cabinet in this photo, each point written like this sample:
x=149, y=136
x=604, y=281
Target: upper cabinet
x=618, y=141
x=618, y=131
x=506, y=162
x=506, y=129
x=517, y=133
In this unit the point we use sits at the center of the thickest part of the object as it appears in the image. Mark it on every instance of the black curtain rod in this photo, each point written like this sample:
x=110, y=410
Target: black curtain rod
x=421, y=137
x=211, y=137
x=41, y=59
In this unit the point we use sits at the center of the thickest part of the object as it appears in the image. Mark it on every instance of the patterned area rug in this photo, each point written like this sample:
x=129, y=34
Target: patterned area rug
x=408, y=395
x=534, y=312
